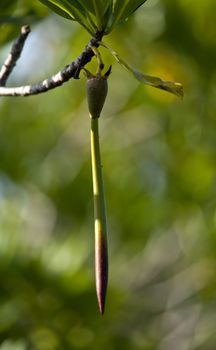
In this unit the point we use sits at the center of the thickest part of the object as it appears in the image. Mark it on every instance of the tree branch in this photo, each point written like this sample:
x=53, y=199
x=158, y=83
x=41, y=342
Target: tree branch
x=70, y=71
x=14, y=55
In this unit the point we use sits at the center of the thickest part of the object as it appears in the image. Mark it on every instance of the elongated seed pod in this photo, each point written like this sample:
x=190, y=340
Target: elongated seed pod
x=97, y=89
x=96, y=94
x=100, y=224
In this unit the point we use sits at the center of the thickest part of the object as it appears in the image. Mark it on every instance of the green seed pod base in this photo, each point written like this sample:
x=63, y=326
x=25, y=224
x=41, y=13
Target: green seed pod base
x=97, y=89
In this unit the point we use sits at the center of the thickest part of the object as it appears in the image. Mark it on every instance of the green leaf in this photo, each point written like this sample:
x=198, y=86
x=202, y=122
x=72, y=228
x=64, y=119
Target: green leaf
x=169, y=86
x=99, y=9
x=73, y=9
x=56, y=7
x=95, y=7
x=122, y=9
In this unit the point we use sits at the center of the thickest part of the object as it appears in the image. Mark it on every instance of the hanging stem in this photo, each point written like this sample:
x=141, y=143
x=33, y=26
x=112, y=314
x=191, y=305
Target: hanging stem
x=100, y=224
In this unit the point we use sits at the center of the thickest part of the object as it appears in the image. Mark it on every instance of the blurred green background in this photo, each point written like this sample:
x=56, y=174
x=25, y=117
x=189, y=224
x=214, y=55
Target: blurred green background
x=159, y=162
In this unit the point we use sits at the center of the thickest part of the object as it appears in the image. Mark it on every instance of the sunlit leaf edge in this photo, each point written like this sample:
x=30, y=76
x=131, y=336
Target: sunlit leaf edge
x=156, y=82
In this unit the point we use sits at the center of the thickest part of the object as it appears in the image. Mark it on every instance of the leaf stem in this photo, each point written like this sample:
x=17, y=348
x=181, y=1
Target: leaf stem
x=100, y=223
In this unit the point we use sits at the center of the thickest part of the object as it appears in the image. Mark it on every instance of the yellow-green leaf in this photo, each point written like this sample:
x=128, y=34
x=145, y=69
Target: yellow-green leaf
x=169, y=86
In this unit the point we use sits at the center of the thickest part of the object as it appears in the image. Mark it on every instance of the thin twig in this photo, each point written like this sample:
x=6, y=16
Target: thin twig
x=70, y=71
x=14, y=55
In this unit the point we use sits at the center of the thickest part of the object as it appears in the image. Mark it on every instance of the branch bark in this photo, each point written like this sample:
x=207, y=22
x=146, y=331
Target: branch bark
x=70, y=71
x=14, y=55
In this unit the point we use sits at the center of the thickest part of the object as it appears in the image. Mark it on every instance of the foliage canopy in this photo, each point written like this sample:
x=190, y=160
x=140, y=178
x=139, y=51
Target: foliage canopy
x=95, y=15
